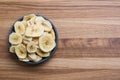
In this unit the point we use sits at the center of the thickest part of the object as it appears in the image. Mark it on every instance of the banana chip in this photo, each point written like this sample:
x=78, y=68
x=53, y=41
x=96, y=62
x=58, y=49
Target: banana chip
x=28, y=17
x=19, y=27
x=24, y=59
x=31, y=47
x=21, y=51
x=32, y=56
x=46, y=43
x=37, y=59
x=34, y=31
x=45, y=23
x=15, y=38
x=12, y=49
x=42, y=54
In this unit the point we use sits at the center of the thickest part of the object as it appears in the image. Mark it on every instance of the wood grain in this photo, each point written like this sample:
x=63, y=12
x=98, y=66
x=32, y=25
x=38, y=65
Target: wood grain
x=89, y=39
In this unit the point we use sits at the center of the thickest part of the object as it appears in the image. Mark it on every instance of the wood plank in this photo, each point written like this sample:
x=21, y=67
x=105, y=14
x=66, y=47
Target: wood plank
x=66, y=63
x=96, y=75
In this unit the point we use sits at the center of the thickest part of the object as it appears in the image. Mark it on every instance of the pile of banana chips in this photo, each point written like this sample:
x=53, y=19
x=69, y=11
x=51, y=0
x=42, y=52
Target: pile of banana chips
x=33, y=38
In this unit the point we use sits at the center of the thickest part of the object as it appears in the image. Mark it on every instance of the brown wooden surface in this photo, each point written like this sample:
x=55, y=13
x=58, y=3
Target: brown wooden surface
x=89, y=39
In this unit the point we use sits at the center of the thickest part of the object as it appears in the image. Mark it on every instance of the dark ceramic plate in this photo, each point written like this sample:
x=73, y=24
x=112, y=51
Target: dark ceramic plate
x=45, y=58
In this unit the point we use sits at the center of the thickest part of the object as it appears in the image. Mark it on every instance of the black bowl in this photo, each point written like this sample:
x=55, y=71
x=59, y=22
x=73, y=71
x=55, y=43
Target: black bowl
x=43, y=59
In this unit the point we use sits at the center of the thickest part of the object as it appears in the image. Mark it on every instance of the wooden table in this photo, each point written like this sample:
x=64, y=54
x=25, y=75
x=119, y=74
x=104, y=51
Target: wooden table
x=89, y=40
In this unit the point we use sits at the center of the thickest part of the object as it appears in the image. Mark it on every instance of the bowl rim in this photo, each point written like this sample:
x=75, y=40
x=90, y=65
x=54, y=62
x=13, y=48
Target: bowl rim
x=43, y=59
